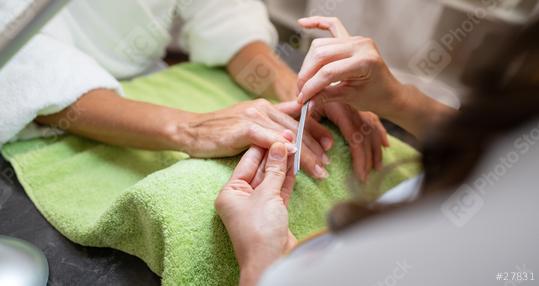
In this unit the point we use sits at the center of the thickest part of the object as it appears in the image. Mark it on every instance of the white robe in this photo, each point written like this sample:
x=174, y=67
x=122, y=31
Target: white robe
x=93, y=44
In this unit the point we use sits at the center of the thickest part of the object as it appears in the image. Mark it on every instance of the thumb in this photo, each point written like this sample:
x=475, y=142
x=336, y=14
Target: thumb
x=275, y=169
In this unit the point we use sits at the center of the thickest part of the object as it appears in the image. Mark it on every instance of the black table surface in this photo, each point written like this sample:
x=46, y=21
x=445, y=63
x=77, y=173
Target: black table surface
x=69, y=263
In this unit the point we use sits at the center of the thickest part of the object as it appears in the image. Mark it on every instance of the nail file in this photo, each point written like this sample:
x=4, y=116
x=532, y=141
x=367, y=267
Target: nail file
x=299, y=136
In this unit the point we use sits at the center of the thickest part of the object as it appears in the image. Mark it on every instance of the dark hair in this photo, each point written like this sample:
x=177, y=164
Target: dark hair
x=505, y=95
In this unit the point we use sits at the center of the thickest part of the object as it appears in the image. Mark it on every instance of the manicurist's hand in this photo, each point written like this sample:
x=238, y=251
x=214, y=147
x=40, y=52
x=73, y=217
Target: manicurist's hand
x=346, y=69
x=350, y=70
x=253, y=208
x=229, y=131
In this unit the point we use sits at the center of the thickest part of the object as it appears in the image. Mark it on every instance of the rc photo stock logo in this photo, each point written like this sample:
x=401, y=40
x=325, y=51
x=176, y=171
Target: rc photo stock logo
x=463, y=205
x=257, y=75
x=430, y=61
x=435, y=55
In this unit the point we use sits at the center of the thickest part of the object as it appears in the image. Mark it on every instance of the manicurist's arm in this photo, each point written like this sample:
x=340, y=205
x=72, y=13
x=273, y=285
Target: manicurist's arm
x=351, y=70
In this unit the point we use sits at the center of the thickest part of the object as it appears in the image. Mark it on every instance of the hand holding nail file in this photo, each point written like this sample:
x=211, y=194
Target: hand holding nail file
x=338, y=31
x=299, y=136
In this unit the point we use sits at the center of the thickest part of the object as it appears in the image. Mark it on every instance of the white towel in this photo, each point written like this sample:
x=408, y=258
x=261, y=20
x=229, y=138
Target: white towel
x=45, y=77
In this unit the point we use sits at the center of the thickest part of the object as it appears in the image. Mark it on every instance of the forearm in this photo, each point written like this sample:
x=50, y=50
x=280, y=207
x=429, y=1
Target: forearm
x=416, y=112
x=259, y=70
x=104, y=116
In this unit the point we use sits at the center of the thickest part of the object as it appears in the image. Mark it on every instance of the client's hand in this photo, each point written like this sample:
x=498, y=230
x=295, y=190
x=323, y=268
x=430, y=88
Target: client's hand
x=363, y=131
x=229, y=131
x=347, y=69
x=253, y=208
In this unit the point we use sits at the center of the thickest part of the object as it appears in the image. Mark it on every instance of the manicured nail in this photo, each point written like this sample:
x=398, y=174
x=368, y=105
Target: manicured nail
x=325, y=159
x=291, y=148
x=277, y=152
x=300, y=98
x=326, y=143
x=288, y=135
x=320, y=172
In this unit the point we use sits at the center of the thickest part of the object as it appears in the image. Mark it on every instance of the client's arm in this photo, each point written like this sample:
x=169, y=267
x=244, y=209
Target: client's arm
x=259, y=70
x=104, y=116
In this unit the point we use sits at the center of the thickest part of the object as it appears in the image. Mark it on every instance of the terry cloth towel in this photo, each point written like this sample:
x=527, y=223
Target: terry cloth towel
x=159, y=205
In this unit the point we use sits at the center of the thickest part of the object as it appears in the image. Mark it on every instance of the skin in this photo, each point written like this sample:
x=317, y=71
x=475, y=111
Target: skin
x=259, y=69
x=253, y=207
x=104, y=116
x=364, y=80
x=366, y=84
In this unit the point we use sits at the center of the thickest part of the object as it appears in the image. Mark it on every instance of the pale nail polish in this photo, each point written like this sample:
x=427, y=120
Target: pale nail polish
x=291, y=148
x=326, y=143
x=325, y=159
x=320, y=172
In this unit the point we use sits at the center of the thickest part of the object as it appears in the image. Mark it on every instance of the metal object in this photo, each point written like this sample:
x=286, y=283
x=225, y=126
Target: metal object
x=21, y=264
x=299, y=136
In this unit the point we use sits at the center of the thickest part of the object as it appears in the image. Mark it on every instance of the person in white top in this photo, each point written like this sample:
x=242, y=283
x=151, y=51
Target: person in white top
x=73, y=66
x=474, y=222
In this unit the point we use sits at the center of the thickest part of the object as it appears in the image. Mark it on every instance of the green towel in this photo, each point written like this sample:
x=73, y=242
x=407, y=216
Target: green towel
x=159, y=205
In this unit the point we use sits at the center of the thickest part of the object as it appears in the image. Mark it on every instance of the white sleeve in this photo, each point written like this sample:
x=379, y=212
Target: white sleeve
x=45, y=77
x=215, y=30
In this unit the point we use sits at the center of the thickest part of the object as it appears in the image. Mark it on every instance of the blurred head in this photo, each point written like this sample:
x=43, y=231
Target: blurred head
x=505, y=96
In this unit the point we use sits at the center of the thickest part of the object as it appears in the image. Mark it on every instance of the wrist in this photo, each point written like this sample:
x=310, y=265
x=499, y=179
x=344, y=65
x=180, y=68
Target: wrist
x=178, y=133
x=252, y=271
x=397, y=101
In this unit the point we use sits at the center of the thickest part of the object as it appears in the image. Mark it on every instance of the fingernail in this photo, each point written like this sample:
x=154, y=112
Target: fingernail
x=277, y=152
x=288, y=135
x=300, y=98
x=291, y=148
x=326, y=143
x=325, y=159
x=320, y=172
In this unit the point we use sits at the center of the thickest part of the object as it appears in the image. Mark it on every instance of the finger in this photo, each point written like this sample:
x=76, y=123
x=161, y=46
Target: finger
x=317, y=111
x=288, y=185
x=291, y=108
x=317, y=57
x=249, y=163
x=312, y=165
x=281, y=120
x=275, y=169
x=383, y=133
x=358, y=163
x=330, y=96
x=259, y=176
x=354, y=138
x=331, y=24
x=377, y=152
x=321, y=134
x=367, y=150
x=333, y=72
x=265, y=137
